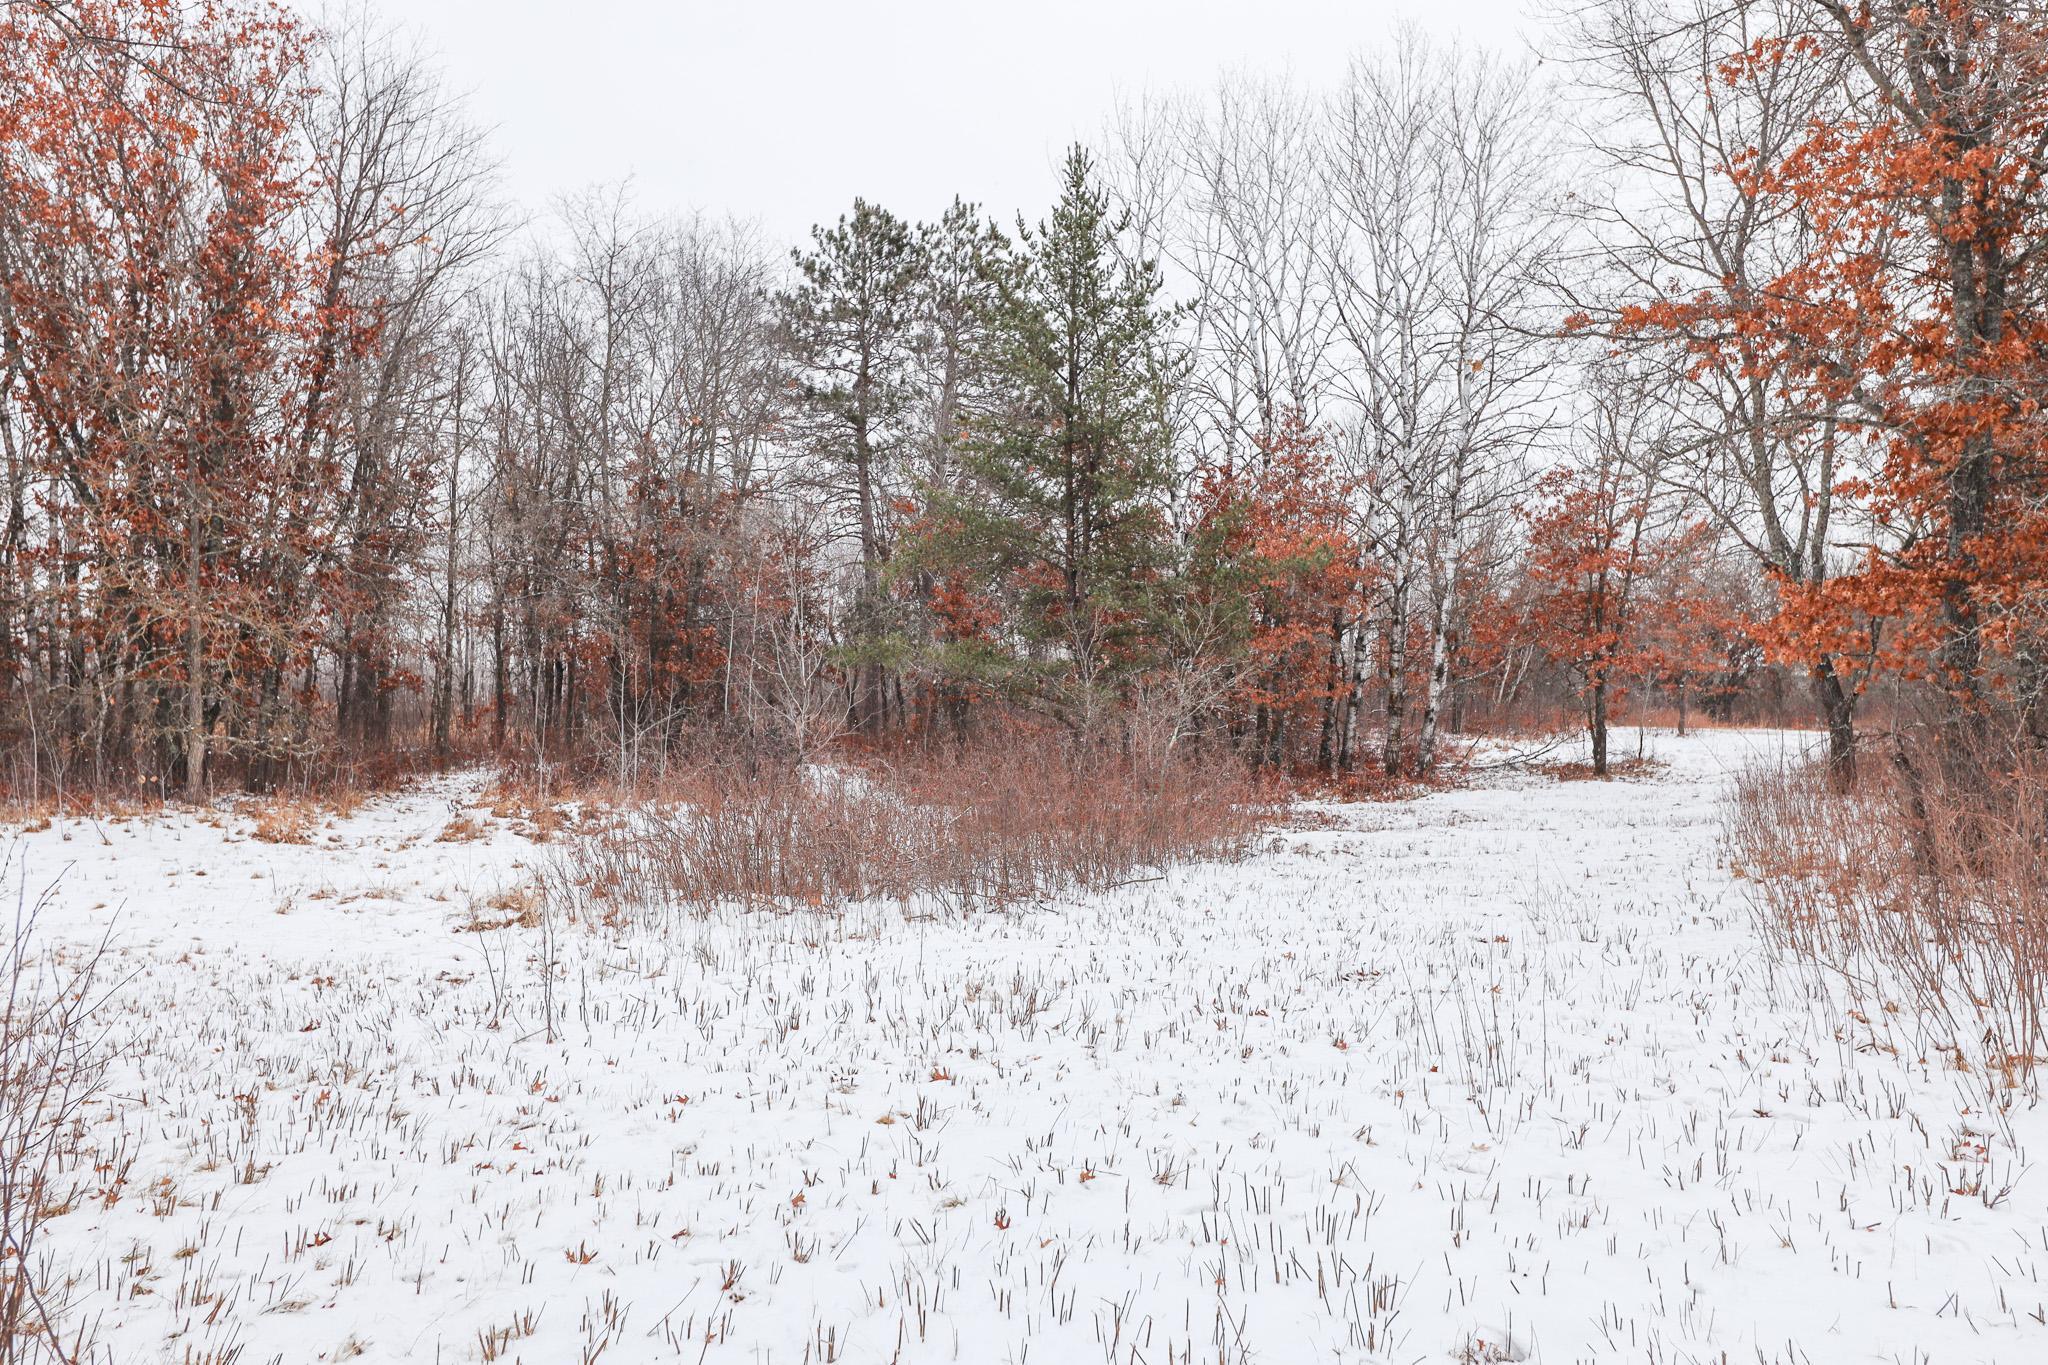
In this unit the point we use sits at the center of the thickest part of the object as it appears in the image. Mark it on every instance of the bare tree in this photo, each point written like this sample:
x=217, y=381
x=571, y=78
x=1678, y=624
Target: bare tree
x=632, y=392
x=1439, y=170
x=785, y=687
x=1226, y=192
x=403, y=212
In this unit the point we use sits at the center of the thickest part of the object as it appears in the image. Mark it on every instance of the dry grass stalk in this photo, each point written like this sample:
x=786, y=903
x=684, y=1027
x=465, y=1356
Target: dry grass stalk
x=50, y=1070
x=1929, y=879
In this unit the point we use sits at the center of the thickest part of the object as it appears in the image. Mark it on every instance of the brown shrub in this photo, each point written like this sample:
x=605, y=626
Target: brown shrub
x=994, y=825
x=1929, y=878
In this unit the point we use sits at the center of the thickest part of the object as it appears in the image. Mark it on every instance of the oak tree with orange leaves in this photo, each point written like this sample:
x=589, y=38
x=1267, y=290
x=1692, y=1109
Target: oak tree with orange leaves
x=156, y=326
x=1913, y=318
x=1272, y=536
x=1599, y=535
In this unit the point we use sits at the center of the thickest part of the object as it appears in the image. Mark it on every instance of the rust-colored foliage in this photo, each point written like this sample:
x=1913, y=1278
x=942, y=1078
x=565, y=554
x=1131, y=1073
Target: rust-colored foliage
x=168, y=347
x=1913, y=321
x=1595, y=558
x=1275, y=532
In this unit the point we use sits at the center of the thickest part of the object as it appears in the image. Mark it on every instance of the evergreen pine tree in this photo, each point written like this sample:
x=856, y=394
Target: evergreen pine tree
x=1068, y=464
x=848, y=326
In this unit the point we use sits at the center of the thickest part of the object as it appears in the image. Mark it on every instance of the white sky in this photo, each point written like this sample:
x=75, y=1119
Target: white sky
x=782, y=111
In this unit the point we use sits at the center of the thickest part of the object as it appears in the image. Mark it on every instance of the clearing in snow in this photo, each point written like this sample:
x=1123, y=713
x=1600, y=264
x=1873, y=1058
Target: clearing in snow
x=1500, y=1074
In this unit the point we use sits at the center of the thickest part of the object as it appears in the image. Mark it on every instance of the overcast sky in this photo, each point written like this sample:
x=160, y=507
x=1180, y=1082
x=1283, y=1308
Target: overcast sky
x=784, y=110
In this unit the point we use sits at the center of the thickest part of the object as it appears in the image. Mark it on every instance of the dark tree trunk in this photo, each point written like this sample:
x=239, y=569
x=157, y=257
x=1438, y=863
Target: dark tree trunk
x=1838, y=713
x=1596, y=724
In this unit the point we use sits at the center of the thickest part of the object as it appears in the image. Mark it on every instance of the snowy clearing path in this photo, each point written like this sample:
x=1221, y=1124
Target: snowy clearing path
x=1498, y=1075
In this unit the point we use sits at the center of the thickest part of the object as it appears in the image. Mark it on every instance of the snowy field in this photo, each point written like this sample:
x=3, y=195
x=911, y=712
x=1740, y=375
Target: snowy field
x=1503, y=1074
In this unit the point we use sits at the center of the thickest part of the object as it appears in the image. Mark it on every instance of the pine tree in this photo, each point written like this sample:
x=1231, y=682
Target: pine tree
x=1068, y=466
x=848, y=324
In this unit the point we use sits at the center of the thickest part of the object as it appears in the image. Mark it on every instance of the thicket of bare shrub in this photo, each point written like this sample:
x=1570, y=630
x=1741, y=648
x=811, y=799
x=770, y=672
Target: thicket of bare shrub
x=990, y=825
x=50, y=1068
x=1925, y=885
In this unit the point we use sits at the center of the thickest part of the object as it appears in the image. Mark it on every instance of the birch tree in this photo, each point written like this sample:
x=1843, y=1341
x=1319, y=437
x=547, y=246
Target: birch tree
x=1438, y=170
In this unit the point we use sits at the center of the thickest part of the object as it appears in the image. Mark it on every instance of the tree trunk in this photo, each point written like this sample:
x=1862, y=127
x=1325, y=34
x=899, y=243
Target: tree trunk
x=1440, y=651
x=195, y=655
x=1838, y=712
x=1326, y=739
x=1354, y=697
x=1596, y=724
x=871, y=687
x=1397, y=680
x=444, y=684
x=500, y=683
x=1444, y=621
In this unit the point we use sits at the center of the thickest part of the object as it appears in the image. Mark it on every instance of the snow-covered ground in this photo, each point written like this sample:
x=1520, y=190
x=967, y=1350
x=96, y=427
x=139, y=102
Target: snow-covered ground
x=1501, y=1074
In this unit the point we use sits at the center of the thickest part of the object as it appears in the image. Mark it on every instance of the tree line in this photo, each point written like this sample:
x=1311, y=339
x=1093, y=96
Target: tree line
x=1315, y=424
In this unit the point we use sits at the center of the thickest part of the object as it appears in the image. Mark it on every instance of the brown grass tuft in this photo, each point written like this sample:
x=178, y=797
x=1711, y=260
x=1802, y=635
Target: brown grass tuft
x=461, y=830
x=286, y=820
x=1618, y=770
